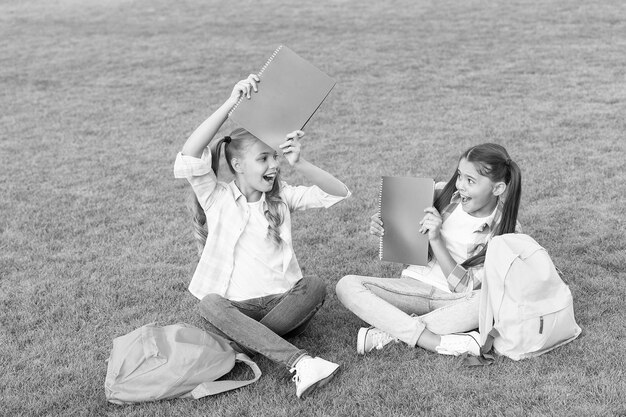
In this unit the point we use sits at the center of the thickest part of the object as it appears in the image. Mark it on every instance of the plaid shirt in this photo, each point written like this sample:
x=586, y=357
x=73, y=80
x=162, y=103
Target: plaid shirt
x=467, y=279
x=227, y=214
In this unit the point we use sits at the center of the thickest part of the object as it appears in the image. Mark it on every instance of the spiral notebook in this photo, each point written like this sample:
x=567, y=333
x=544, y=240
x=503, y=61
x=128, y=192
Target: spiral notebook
x=290, y=92
x=402, y=203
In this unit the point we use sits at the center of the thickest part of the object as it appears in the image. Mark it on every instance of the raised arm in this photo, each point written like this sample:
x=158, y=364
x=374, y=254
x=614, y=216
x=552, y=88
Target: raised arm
x=202, y=136
x=325, y=180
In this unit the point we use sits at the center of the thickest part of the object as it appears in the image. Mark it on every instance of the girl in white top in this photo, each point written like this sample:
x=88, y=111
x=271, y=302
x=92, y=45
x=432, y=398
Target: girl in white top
x=248, y=279
x=481, y=200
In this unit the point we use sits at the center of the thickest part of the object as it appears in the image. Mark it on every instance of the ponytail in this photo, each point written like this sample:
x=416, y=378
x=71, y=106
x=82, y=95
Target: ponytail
x=512, y=200
x=446, y=194
x=198, y=218
x=215, y=156
x=274, y=214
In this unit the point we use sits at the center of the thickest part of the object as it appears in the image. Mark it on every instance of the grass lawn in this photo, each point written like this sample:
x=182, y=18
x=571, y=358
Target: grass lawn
x=95, y=241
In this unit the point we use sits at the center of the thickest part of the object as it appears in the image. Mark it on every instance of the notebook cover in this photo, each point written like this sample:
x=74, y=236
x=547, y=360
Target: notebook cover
x=290, y=91
x=402, y=204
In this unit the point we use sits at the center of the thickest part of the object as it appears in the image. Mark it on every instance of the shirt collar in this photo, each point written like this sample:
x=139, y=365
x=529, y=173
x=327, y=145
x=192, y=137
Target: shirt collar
x=494, y=218
x=491, y=221
x=238, y=194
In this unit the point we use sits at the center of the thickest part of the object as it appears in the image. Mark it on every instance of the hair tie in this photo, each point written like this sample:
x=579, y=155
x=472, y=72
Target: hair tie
x=227, y=139
x=507, y=162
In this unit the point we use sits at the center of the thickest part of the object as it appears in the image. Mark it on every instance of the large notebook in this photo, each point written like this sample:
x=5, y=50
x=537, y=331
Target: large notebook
x=402, y=204
x=290, y=91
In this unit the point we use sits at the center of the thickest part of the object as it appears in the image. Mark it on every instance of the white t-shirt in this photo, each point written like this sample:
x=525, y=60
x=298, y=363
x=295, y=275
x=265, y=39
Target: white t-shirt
x=458, y=233
x=258, y=270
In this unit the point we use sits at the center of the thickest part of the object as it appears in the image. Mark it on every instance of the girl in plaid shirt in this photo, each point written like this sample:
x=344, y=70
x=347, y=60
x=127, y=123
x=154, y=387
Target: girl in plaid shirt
x=480, y=201
x=248, y=278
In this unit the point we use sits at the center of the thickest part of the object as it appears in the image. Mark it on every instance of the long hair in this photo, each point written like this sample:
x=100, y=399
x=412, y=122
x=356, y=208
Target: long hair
x=234, y=146
x=492, y=161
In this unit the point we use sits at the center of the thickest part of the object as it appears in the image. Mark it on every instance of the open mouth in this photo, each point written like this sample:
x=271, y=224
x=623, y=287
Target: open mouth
x=465, y=199
x=269, y=177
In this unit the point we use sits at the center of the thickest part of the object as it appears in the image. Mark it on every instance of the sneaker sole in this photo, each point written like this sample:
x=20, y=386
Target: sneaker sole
x=360, y=340
x=319, y=384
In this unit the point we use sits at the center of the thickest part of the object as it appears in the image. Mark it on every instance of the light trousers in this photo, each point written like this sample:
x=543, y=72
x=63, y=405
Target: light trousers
x=404, y=307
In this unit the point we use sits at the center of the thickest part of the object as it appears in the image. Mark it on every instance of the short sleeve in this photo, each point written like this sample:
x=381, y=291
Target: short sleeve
x=189, y=166
x=199, y=174
x=303, y=197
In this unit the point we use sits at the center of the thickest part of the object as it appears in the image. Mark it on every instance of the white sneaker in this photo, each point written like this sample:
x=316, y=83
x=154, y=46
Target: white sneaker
x=459, y=343
x=370, y=338
x=312, y=373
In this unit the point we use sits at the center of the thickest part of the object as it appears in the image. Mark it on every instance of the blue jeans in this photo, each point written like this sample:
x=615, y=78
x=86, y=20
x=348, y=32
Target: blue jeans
x=257, y=324
x=404, y=307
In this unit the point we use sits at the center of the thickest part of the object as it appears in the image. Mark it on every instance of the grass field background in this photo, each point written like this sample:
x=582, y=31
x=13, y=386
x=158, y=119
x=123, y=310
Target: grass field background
x=95, y=241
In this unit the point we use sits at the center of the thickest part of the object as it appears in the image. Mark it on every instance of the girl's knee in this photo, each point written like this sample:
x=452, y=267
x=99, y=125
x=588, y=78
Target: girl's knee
x=317, y=288
x=210, y=304
x=346, y=286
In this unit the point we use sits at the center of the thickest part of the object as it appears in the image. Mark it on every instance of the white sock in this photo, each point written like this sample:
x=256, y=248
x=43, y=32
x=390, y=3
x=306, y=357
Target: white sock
x=458, y=344
x=301, y=357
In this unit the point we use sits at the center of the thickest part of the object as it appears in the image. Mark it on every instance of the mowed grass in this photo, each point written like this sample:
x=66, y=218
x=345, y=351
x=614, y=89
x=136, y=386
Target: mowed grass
x=95, y=241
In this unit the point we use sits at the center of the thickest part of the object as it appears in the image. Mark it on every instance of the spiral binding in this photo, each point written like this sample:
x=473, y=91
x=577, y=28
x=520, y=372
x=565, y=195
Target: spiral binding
x=263, y=68
x=380, y=211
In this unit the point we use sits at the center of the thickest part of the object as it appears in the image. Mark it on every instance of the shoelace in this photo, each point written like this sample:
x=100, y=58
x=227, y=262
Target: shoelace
x=381, y=339
x=296, y=377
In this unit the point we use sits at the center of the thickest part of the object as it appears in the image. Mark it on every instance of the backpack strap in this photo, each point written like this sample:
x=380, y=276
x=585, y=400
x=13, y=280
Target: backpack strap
x=485, y=357
x=217, y=387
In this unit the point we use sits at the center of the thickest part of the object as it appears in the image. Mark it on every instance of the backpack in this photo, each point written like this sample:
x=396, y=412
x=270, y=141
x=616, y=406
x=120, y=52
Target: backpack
x=526, y=309
x=176, y=361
